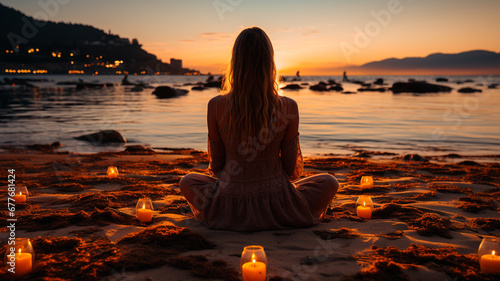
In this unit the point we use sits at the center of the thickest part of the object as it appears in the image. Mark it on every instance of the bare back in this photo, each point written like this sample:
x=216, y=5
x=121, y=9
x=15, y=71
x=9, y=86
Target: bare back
x=217, y=107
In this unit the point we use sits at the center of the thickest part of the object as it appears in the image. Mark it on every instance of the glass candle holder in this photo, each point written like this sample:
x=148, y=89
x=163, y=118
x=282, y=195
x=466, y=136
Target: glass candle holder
x=144, y=209
x=21, y=194
x=253, y=263
x=364, y=207
x=20, y=257
x=366, y=182
x=489, y=255
x=112, y=172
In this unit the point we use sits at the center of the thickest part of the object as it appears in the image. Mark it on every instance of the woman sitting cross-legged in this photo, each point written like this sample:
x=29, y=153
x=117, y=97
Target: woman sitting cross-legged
x=254, y=151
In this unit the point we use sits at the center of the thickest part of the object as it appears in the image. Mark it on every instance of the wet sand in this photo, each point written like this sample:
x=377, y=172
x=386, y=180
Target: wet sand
x=428, y=221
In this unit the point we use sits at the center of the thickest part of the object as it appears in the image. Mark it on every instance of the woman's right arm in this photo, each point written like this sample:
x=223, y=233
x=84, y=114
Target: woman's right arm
x=216, y=149
x=291, y=155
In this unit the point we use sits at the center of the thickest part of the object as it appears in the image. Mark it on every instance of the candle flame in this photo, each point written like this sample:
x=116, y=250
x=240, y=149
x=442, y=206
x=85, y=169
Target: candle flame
x=364, y=204
x=253, y=258
x=493, y=253
x=143, y=206
x=20, y=193
x=20, y=251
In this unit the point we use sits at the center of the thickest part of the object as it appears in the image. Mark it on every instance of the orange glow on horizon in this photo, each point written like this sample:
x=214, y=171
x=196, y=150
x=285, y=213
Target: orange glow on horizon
x=288, y=65
x=353, y=70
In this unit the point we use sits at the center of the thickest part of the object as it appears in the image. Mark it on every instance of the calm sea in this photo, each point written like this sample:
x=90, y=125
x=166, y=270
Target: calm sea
x=331, y=122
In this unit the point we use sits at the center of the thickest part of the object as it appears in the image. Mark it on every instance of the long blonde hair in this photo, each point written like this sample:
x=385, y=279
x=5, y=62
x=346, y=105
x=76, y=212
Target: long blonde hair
x=253, y=103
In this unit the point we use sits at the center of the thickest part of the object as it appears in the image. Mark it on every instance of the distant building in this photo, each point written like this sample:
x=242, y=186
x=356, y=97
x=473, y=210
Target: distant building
x=176, y=64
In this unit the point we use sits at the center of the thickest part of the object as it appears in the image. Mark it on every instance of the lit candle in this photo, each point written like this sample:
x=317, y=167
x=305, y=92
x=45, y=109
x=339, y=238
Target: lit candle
x=366, y=182
x=364, y=212
x=254, y=270
x=23, y=263
x=490, y=264
x=112, y=172
x=19, y=198
x=144, y=214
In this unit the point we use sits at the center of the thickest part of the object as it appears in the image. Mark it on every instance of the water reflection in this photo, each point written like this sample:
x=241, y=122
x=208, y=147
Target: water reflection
x=330, y=122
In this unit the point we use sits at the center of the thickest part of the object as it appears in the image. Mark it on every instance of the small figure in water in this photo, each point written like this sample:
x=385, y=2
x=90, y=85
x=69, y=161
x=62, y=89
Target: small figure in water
x=345, y=77
x=297, y=76
x=125, y=81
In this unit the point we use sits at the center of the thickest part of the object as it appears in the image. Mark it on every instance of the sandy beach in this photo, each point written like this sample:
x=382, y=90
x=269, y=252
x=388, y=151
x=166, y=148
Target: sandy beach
x=430, y=217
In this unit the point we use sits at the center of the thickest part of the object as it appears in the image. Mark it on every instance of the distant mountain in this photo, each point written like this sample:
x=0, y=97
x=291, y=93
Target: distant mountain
x=471, y=62
x=60, y=47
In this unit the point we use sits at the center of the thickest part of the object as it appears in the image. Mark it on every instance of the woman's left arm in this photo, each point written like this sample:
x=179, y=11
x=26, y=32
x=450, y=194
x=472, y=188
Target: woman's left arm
x=216, y=149
x=291, y=155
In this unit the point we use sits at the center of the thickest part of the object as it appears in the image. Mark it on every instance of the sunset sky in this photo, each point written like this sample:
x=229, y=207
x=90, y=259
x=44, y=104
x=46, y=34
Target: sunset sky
x=316, y=37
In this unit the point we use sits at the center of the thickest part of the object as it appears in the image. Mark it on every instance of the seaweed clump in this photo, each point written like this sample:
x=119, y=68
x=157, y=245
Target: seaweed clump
x=485, y=223
x=176, y=239
x=391, y=259
x=63, y=258
x=380, y=270
x=150, y=247
x=392, y=235
x=426, y=224
x=344, y=211
x=343, y=232
x=475, y=203
x=433, y=224
x=449, y=189
x=49, y=219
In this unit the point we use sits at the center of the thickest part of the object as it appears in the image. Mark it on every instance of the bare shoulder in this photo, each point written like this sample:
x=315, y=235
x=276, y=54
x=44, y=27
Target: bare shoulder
x=217, y=106
x=292, y=106
x=217, y=99
x=214, y=99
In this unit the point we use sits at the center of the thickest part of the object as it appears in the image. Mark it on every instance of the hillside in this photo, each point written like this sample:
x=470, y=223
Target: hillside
x=59, y=47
